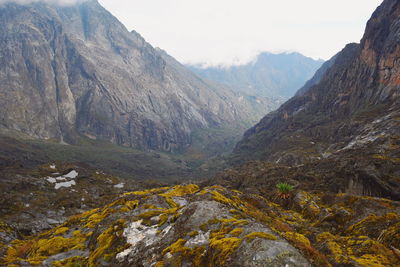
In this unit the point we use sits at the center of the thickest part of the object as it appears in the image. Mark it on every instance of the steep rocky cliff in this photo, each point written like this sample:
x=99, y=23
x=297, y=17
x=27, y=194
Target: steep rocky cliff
x=268, y=75
x=70, y=71
x=347, y=123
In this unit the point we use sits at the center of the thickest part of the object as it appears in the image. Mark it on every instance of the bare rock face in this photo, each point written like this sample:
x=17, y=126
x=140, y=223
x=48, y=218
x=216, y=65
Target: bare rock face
x=348, y=117
x=75, y=70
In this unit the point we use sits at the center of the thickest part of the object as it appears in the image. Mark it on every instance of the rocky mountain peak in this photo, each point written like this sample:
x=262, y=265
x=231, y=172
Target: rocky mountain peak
x=73, y=71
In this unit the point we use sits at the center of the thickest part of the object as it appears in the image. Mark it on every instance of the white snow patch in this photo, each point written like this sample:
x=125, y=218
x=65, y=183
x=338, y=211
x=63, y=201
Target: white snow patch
x=52, y=166
x=121, y=185
x=72, y=174
x=51, y=180
x=64, y=179
x=65, y=184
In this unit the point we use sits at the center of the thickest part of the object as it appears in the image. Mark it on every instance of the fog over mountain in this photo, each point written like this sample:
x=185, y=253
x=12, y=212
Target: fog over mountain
x=267, y=75
x=56, y=2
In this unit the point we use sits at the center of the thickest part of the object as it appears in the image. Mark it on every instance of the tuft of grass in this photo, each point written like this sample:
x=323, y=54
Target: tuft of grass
x=284, y=188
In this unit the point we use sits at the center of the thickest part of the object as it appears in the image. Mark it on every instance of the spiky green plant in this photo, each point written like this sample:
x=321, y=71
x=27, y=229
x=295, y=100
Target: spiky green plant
x=284, y=190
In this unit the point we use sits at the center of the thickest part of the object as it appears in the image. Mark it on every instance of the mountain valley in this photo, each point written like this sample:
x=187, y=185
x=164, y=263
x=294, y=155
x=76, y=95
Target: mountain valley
x=112, y=153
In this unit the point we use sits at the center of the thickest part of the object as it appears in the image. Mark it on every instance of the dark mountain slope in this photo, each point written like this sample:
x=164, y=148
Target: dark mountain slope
x=353, y=110
x=71, y=71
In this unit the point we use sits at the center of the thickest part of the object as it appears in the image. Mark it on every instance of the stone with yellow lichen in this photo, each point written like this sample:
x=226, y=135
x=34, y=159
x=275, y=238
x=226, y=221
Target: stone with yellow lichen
x=213, y=225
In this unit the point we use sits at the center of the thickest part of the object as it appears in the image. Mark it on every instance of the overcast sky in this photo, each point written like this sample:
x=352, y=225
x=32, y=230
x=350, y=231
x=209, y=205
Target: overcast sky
x=227, y=31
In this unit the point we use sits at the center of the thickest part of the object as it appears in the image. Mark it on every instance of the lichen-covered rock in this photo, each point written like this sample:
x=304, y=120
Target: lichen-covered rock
x=186, y=225
x=149, y=227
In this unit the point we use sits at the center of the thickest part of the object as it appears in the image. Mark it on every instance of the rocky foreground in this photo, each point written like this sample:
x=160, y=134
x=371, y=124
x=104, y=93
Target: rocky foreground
x=187, y=225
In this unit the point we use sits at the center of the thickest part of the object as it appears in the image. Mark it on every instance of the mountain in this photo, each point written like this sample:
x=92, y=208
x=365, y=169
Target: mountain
x=342, y=133
x=73, y=71
x=269, y=75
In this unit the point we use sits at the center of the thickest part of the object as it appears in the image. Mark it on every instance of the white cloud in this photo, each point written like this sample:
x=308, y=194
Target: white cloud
x=233, y=31
x=227, y=31
x=56, y=2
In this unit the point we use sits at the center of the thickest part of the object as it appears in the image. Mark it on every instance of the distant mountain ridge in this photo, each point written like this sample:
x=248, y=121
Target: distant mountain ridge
x=72, y=71
x=343, y=126
x=269, y=75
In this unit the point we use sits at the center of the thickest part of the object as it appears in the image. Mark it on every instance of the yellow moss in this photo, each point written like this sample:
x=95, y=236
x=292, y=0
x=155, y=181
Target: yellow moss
x=151, y=213
x=176, y=247
x=181, y=190
x=223, y=248
x=132, y=204
x=147, y=192
x=150, y=206
x=171, y=202
x=362, y=226
x=325, y=236
x=105, y=241
x=203, y=192
x=371, y=260
x=297, y=238
x=223, y=199
x=193, y=233
x=163, y=219
x=240, y=222
x=37, y=250
x=82, y=216
x=159, y=264
x=96, y=218
x=236, y=232
x=264, y=235
x=71, y=262
x=5, y=228
x=361, y=249
x=180, y=252
x=61, y=230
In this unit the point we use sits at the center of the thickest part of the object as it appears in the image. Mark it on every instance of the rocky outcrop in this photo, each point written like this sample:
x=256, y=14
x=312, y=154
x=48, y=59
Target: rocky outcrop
x=268, y=75
x=35, y=200
x=187, y=225
x=350, y=116
x=71, y=71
